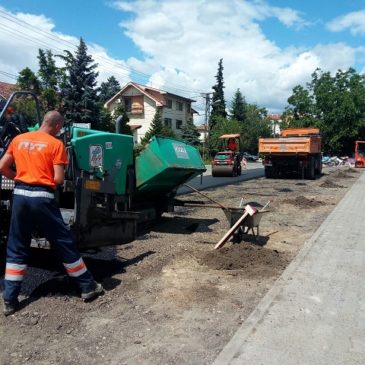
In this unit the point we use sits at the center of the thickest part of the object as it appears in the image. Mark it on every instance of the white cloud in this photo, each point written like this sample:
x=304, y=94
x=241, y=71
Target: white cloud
x=354, y=21
x=260, y=10
x=23, y=34
x=202, y=32
x=183, y=41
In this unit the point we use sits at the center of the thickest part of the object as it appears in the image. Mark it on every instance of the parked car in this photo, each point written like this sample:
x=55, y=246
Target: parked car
x=249, y=157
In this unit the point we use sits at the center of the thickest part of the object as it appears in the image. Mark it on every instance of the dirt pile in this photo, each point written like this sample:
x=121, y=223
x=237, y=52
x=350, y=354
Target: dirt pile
x=350, y=170
x=303, y=202
x=257, y=260
x=330, y=184
x=343, y=175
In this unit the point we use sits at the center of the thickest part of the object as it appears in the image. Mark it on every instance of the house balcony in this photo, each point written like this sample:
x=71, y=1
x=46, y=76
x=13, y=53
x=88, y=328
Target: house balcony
x=136, y=111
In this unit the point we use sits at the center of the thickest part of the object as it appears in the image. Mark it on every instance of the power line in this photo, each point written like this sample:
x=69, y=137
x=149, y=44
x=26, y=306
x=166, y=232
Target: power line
x=7, y=74
x=21, y=35
x=51, y=36
x=54, y=47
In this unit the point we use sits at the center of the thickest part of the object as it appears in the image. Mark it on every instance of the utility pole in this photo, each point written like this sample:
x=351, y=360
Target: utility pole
x=207, y=98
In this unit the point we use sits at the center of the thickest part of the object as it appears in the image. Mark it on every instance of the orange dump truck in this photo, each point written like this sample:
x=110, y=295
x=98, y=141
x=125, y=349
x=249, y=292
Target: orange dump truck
x=297, y=150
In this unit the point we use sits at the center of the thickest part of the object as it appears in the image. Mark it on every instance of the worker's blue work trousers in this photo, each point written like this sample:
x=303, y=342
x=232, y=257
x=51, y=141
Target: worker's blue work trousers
x=35, y=207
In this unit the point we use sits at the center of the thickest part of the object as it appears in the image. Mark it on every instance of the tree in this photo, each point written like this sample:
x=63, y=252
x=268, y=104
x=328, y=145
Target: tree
x=48, y=75
x=106, y=122
x=157, y=128
x=218, y=102
x=80, y=101
x=48, y=71
x=108, y=89
x=256, y=125
x=302, y=112
x=27, y=80
x=223, y=126
x=190, y=133
x=238, y=107
x=334, y=104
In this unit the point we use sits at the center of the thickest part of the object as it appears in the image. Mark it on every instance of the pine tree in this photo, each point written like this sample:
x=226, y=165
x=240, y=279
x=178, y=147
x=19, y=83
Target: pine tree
x=190, y=133
x=238, y=107
x=106, y=122
x=48, y=71
x=108, y=89
x=218, y=102
x=48, y=75
x=156, y=127
x=80, y=101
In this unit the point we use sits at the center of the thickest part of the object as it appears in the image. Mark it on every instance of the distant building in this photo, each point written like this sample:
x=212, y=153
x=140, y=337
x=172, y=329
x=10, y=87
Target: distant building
x=203, y=130
x=140, y=102
x=275, y=120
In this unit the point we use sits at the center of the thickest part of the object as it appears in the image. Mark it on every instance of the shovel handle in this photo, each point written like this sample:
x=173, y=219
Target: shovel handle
x=206, y=196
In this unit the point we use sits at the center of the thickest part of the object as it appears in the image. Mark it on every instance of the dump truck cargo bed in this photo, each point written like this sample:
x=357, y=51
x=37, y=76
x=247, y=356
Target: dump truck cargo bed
x=292, y=145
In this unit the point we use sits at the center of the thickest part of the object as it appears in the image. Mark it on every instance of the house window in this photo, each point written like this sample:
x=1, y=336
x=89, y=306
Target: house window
x=179, y=105
x=168, y=122
x=169, y=103
x=128, y=104
x=178, y=124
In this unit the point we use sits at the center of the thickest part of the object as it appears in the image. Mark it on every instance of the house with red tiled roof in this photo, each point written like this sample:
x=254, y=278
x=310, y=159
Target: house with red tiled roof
x=5, y=91
x=140, y=102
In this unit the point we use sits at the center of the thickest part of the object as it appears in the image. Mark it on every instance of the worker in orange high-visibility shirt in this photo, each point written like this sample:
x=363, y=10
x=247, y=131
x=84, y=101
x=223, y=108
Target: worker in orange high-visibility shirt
x=40, y=159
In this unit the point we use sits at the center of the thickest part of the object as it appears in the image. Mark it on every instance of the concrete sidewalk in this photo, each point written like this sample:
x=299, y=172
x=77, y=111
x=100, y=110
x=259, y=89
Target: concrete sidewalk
x=315, y=313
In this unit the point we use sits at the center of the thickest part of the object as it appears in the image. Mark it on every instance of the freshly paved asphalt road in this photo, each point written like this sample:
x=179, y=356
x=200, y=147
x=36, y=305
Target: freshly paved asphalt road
x=315, y=313
x=254, y=170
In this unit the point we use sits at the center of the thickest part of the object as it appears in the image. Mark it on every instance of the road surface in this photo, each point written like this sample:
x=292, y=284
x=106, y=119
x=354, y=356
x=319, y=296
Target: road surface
x=254, y=170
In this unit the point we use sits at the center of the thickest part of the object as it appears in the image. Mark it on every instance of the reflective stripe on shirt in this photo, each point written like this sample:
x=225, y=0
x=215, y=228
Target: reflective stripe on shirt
x=33, y=193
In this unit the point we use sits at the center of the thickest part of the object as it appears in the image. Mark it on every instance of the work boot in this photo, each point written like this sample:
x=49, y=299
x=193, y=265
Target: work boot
x=10, y=307
x=93, y=294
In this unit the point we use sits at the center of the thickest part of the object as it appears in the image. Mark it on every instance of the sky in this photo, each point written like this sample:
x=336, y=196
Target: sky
x=267, y=46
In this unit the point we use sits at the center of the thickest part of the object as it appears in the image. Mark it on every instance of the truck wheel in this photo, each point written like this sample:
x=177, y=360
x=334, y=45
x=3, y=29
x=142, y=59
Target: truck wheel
x=309, y=171
x=318, y=166
x=268, y=172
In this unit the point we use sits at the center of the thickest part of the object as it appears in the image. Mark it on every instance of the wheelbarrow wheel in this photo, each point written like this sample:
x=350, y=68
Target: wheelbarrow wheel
x=237, y=237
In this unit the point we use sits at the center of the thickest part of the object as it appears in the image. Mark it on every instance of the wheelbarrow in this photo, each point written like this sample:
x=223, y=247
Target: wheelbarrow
x=250, y=224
